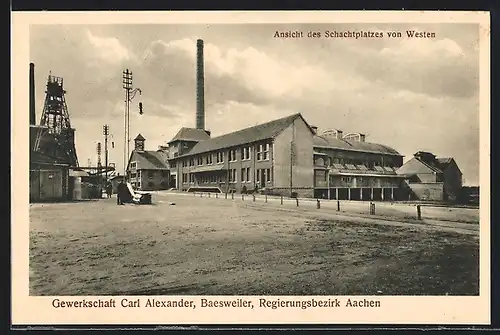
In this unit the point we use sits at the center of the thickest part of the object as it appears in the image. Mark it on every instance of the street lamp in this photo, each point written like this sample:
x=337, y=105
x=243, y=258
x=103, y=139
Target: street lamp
x=129, y=96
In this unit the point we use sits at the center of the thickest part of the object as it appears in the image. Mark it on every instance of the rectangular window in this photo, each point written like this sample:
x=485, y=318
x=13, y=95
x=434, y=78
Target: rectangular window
x=243, y=175
x=232, y=176
x=346, y=179
x=191, y=162
x=232, y=155
x=249, y=178
x=266, y=152
x=268, y=175
x=263, y=152
x=220, y=157
x=184, y=163
x=133, y=175
x=133, y=165
x=245, y=153
x=200, y=160
x=173, y=164
x=257, y=176
x=209, y=159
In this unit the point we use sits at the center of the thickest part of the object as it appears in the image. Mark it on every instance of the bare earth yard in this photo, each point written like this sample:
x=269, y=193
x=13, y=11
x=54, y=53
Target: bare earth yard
x=208, y=246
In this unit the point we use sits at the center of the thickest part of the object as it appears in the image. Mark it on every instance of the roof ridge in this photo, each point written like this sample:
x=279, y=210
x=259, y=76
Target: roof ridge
x=255, y=126
x=434, y=168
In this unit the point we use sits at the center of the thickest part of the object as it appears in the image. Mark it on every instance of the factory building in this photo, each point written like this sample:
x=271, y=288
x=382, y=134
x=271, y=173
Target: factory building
x=287, y=156
x=148, y=170
x=431, y=178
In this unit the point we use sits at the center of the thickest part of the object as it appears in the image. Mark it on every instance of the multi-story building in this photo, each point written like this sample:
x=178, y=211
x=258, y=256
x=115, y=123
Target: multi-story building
x=146, y=169
x=286, y=156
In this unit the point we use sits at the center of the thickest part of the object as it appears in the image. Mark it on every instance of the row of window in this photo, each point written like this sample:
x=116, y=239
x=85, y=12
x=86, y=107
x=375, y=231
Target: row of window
x=246, y=177
x=368, y=163
x=245, y=154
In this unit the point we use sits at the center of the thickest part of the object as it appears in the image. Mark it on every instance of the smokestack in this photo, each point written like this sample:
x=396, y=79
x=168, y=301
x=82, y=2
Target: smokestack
x=32, y=95
x=200, y=87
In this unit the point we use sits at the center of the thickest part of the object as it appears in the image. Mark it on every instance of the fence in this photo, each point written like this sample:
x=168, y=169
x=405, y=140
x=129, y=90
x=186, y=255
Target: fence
x=370, y=208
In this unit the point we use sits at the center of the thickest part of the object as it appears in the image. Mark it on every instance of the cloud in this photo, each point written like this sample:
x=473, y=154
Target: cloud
x=107, y=49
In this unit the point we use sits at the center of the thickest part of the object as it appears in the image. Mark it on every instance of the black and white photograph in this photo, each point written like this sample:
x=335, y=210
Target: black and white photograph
x=338, y=160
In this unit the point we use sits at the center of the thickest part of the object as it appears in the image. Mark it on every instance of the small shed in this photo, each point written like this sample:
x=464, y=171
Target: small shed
x=49, y=178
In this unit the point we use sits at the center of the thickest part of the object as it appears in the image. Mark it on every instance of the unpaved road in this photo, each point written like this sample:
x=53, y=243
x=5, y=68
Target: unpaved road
x=208, y=246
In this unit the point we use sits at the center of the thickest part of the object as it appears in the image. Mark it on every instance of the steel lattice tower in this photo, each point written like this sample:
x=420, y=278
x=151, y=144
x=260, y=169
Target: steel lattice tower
x=55, y=117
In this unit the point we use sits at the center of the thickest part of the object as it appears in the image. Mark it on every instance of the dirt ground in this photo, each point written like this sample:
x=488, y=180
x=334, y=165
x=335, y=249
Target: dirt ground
x=209, y=246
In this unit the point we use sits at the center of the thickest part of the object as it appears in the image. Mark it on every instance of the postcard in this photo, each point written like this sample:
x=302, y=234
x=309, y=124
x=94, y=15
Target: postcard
x=250, y=168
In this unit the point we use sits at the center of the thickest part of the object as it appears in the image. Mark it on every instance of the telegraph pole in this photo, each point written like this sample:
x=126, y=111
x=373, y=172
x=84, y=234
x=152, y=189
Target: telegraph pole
x=129, y=95
x=105, y=131
x=99, y=165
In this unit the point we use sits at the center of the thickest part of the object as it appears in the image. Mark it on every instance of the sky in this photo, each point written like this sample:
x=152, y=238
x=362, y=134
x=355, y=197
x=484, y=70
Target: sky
x=407, y=93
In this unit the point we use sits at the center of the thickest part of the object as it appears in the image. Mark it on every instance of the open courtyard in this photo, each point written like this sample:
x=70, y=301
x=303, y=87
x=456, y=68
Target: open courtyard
x=215, y=246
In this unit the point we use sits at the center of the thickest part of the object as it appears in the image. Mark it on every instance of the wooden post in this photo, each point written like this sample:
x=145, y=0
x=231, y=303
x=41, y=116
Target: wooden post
x=225, y=195
x=282, y=200
x=297, y=200
x=419, y=213
x=253, y=197
x=242, y=197
x=232, y=195
x=265, y=198
x=216, y=195
x=318, y=205
x=338, y=206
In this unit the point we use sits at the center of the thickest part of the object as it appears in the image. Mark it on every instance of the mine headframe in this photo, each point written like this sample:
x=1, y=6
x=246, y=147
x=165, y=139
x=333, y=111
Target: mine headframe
x=55, y=117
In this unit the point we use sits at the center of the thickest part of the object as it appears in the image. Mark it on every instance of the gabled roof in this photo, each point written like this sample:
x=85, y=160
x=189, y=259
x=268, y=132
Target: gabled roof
x=139, y=138
x=248, y=135
x=335, y=143
x=150, y=160
x=190, y=134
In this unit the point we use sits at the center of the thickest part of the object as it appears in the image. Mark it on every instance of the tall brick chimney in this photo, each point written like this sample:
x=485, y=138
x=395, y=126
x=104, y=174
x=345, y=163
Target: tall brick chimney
x=32, y=102
x=200, y=87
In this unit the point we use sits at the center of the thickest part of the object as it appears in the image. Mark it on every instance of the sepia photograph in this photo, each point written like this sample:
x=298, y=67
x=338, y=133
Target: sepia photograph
x=180, y=160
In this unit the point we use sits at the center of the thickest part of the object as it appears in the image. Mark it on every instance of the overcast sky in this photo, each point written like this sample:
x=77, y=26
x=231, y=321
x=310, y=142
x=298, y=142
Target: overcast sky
x=409, y=94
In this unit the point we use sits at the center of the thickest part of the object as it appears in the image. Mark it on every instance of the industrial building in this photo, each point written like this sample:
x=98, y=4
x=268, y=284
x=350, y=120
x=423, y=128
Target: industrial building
x=286, y=156
x=146, y=169
x=55, y=174
x=432, y=178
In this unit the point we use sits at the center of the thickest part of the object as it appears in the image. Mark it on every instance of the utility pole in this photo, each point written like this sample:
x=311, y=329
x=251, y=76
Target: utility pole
x=105, y=131
x=99, y=165
x=129, y=95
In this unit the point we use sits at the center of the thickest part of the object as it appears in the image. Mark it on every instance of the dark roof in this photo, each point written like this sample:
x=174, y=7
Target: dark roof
x=190, y=134
x=39, y=158
x=150, y=160
x=140, y=138
x=331, y=142
x=444, y=160
x=253, y=134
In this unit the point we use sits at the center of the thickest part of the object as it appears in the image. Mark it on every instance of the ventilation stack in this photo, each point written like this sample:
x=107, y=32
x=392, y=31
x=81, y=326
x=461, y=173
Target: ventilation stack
x=200, y=87
x=32, y=95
